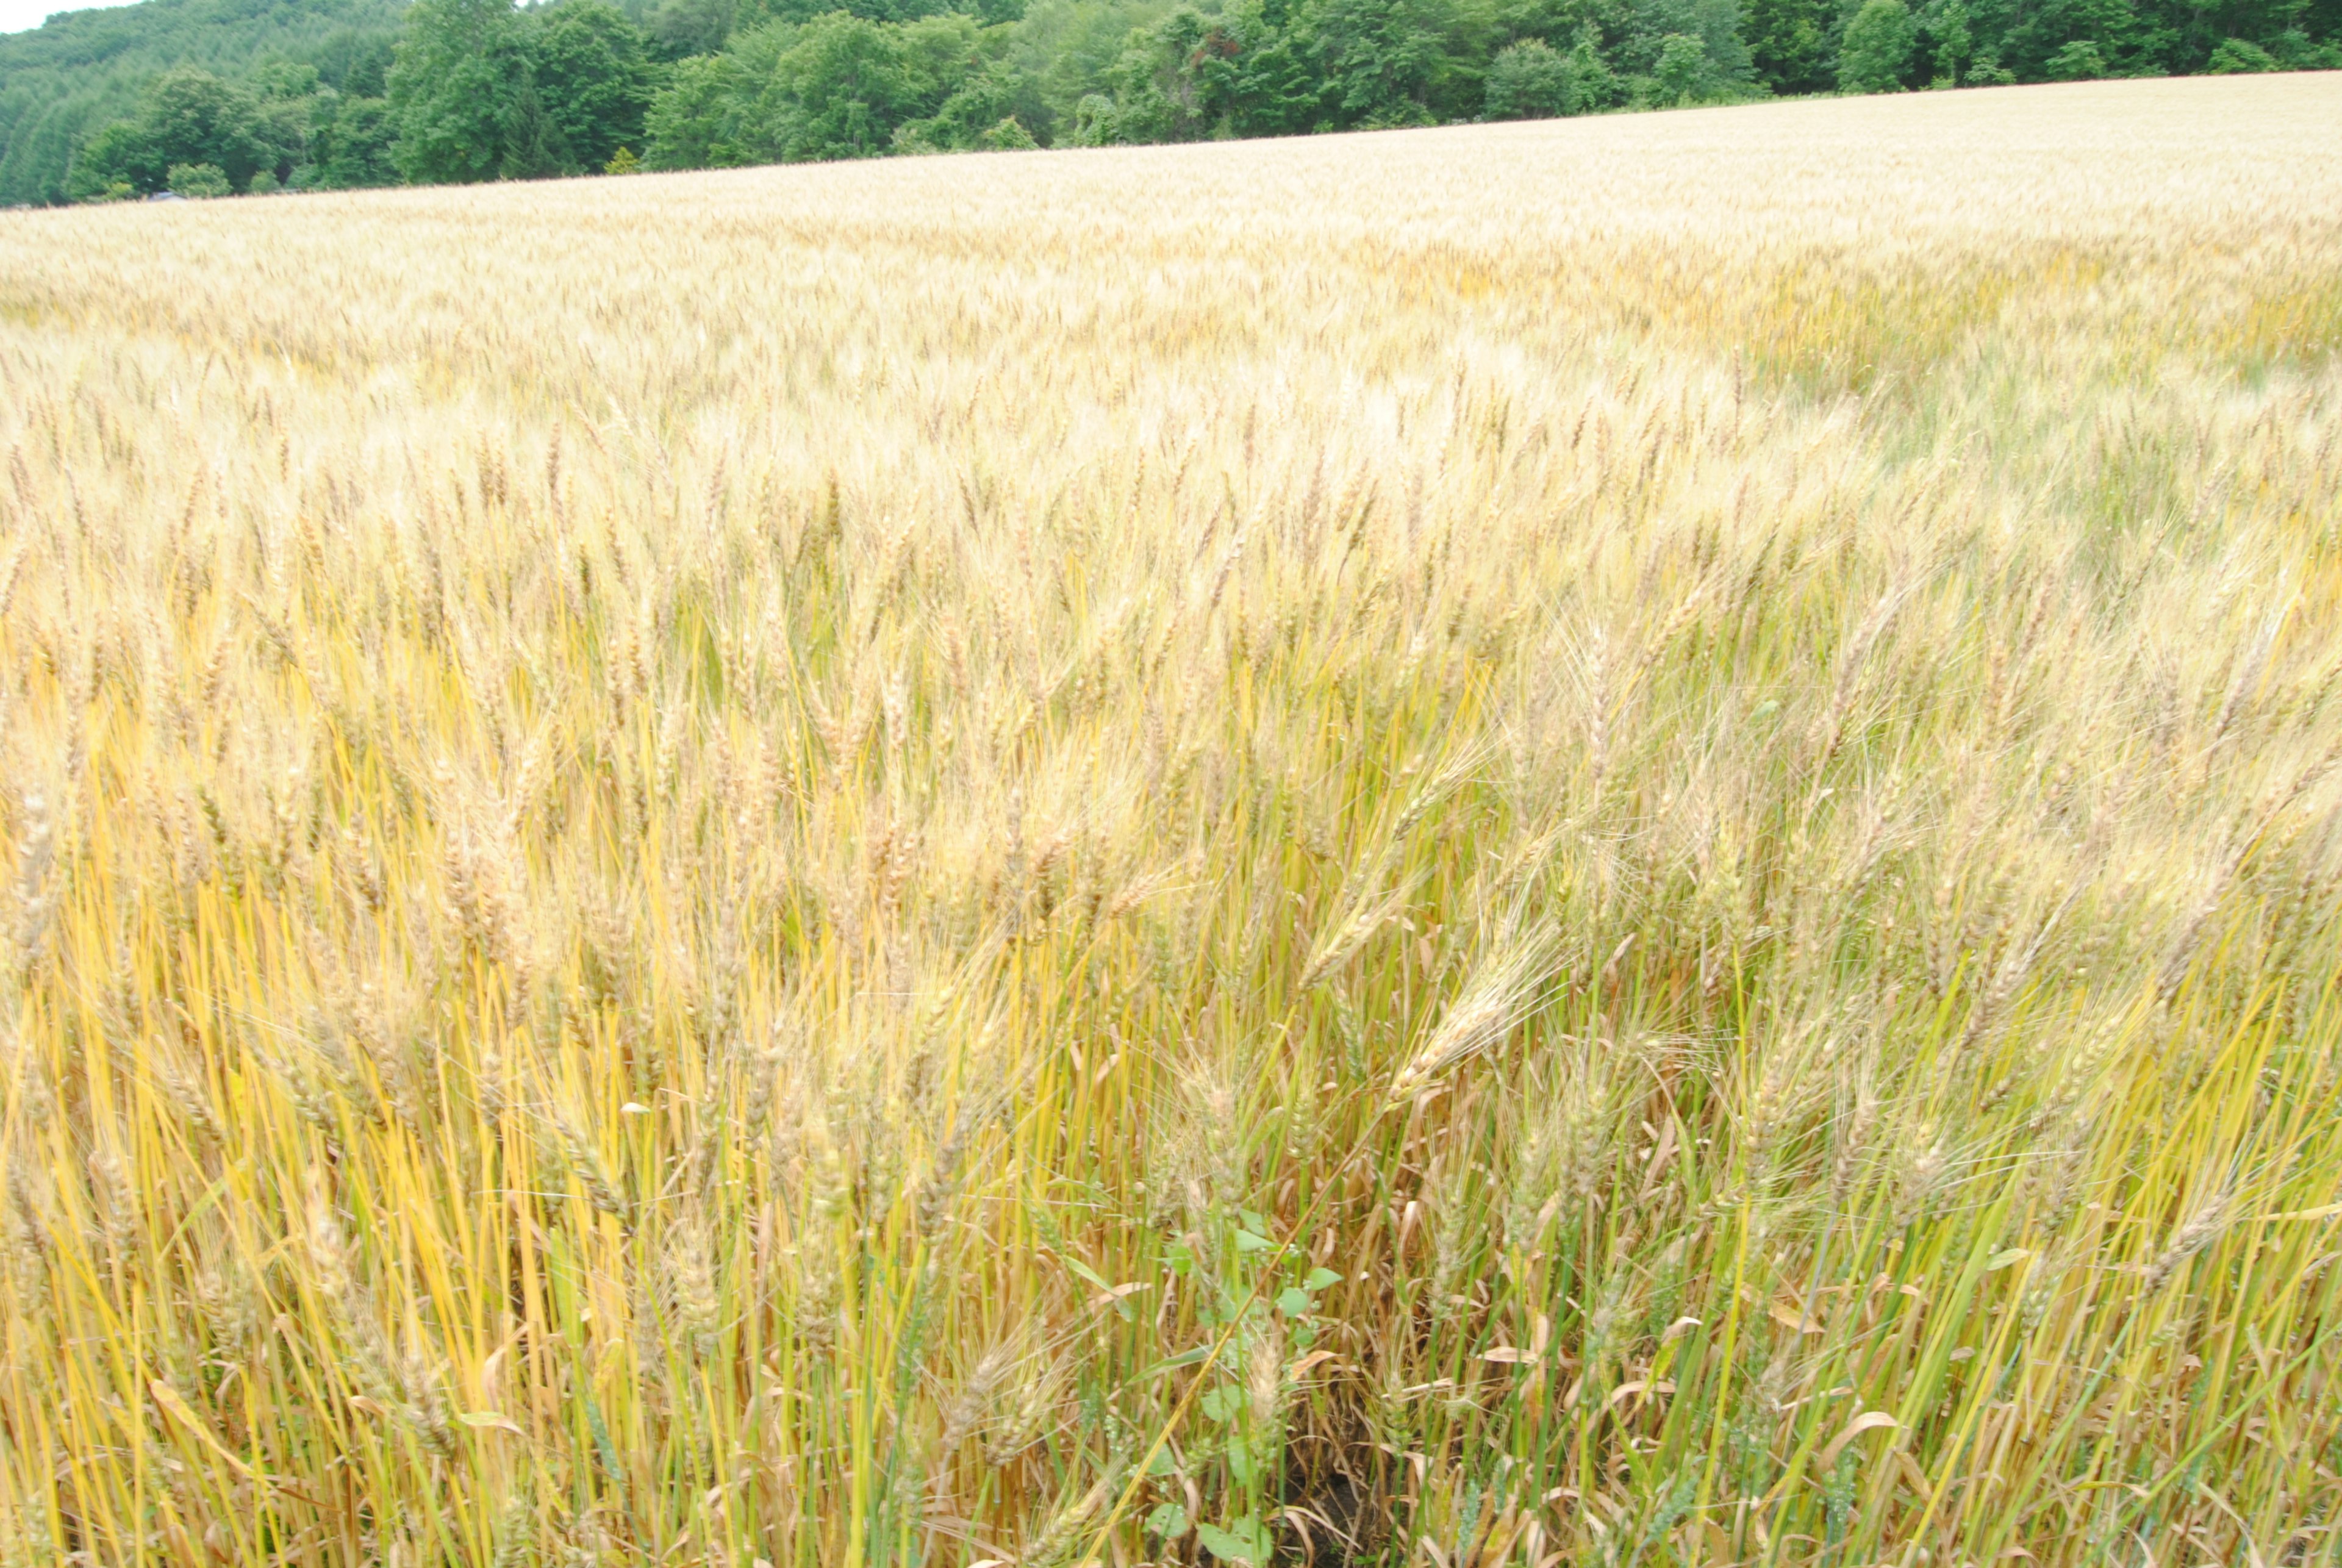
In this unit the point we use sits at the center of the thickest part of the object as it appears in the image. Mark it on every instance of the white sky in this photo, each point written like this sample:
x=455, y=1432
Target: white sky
x=16, y=15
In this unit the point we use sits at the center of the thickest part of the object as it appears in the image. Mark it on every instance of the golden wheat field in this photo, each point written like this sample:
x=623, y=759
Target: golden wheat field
x=1605, y=842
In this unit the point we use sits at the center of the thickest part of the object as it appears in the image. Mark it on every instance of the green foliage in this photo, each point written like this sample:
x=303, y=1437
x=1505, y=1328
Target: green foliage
x=355, y=64
x=481, y=91
x=1396, y=62
x=2235, y=56
x=2080, y=61
x=1529, y=80
x=1094, y=121
x=593, y=75
x=1947, y=39
x=353, y=146
x=1682, y=74
x=1264, y=68
x=119, y=160
x=463, y=94
x=839, y=92
x=1063, y=53
x=190, y=118
x=1243, y=1540
x=1790, y=44
x=840, y=87
x=981, y=113
x=199, y=182
x=701, y=119
x=1642, y=30
x=815, y=83
x=1168, y=1521
x=63, y=84
x=337, y=94
x=1877, y=50
x=1597, y=86
x=1171, y=83
x=845, y=85
x=679, y=29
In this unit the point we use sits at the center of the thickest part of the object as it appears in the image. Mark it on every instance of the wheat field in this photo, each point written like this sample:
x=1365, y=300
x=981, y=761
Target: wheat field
x=1603, y=842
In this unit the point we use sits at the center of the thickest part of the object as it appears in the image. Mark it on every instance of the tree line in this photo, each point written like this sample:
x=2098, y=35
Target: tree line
x=63, y=81
x=473, y=90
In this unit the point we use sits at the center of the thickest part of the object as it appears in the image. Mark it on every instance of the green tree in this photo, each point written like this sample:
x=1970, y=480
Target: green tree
x=1789, y=45
x=860, y=78
x=756, y=12
x=119, y=158
x=1395, y=62
x=1162, y=88
x=1064, y=52
x=592, y=74
x=199, y=182
x=63, y=83
x=462, y=91
x=2235, y=57
x=1949, y=41
x=355, y=147
x=188, y=117
x=700, y=119
x=977, y=114
x=357, y=64
x=1008, y=137
x=1271, y=84
x=1681, y=74
x=1094, y=124
x=1247, y=71
x=1877, y=48
x=2080, y=61
x=2075, y=40
x=193, y=117
x=1593, y=84
x=679, y=29
x=1669, y=73
x=292, y=95
x=284, y=81
x=1529, y=80
x=844, y=85
x=838, y=93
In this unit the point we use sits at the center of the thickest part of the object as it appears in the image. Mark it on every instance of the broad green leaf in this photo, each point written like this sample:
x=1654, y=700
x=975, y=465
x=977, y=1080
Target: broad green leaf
x=1244, y=1466
x=1240, y=1541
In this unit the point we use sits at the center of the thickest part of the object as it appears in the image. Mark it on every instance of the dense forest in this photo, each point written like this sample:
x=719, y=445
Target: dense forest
x=62, y=83
x=210, y=97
